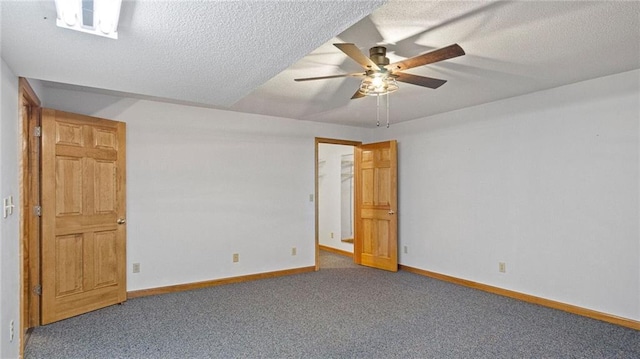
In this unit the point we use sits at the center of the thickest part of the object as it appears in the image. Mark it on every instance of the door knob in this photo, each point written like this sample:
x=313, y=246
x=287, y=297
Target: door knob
x=122, y=221
x=391, y=211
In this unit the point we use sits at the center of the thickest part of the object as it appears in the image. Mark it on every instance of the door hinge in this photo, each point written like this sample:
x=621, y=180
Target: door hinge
x=37, y=289
x=37, y=210
x=37, y=131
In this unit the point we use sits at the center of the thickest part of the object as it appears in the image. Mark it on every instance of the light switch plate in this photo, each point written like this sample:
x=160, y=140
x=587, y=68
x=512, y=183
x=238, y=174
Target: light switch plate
x=8, y=206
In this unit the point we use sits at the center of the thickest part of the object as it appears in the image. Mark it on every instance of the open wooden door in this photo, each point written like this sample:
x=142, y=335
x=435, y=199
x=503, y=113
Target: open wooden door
x=83, y=214
x=376, y=229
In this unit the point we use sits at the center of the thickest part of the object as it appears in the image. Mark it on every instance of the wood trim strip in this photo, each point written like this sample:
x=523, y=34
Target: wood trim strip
x=333, y=141
x=216, y=282
x=29, y=187
x=336, y=251
x=27, y=90
x=625, y=322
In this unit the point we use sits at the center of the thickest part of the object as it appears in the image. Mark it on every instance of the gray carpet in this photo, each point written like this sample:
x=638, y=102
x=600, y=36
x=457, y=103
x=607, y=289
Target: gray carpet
x=342, y=311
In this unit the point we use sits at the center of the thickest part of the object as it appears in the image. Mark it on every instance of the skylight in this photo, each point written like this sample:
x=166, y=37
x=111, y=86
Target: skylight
x=97, y=17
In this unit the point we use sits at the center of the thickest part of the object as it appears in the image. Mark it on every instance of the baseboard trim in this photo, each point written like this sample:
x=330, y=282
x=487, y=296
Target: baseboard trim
x=216, y=282
x=336, y=251
x=629, y=323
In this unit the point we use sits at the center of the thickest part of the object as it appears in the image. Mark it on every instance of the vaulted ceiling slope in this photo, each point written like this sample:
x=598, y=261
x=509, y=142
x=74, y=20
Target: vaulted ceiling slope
x=244, y=55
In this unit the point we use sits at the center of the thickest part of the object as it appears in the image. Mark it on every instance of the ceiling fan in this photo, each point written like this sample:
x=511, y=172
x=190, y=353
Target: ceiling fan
x=380, y=76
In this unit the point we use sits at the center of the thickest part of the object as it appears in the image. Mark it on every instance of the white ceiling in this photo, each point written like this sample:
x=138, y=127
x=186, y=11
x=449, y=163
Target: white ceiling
x=244, y=55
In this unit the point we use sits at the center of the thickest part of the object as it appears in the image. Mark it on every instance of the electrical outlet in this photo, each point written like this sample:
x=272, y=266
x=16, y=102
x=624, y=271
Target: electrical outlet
x=331, y=234
x=11, y=331
x=294, y=251
x=236, y=257
x=136, y=267
x=405, y=250
x=502, y=267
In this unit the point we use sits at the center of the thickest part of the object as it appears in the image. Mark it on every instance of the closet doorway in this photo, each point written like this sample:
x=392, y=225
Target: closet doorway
x=335, y=196
x=373, y=218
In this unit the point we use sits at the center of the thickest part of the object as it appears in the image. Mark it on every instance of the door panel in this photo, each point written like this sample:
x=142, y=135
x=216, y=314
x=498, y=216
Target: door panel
x=68, y=265
x=105, y=187
x=83, y=186
x=376, y=236
x=105, y=258
x=68, y=172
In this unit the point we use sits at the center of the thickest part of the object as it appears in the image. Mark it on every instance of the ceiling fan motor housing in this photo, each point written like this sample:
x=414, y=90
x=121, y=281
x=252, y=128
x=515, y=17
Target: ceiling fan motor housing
x=378, y=54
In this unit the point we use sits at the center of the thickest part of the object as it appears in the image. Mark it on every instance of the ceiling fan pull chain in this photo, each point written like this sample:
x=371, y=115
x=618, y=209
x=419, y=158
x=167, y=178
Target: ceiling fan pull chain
x=378, y=110
x=388, y=99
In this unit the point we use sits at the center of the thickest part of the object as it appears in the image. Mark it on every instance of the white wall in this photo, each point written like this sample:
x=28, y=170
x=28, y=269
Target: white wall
x=203, y=184
x=9, y=227
x=330, y=195
x=547, y=183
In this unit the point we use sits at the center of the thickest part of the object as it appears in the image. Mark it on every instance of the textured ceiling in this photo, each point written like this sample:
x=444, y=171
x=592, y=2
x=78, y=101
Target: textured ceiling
x=206, y=52
x=244, y=55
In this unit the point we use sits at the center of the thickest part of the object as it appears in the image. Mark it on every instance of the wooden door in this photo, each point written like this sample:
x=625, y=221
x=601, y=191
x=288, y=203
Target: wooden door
x=376, y=237
x=83, y=214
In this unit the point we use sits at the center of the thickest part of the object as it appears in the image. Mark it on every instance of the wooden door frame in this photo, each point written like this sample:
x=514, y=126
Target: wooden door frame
x=327, y=141
x=29, y=187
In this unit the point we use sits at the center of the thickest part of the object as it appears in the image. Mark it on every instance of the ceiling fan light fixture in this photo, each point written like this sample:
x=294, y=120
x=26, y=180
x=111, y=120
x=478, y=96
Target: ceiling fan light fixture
x=378, y=84
x=380, y=77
